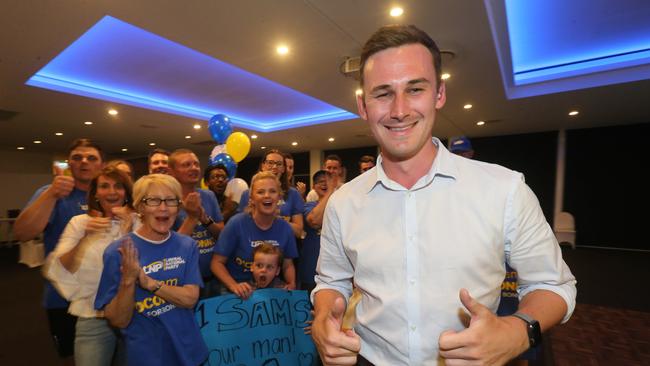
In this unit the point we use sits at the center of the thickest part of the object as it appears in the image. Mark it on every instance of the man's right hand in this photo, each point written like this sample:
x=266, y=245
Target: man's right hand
x=335, y=346
x=62, y=186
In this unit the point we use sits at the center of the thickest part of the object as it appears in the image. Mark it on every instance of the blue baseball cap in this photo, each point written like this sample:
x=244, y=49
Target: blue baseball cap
x=459, y=144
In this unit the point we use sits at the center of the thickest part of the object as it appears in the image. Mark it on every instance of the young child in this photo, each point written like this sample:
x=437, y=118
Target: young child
x=267, y=262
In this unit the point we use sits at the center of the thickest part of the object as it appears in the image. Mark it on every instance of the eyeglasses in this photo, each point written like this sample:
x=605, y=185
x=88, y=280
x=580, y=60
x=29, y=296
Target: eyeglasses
x=155, y=201
x=272, y=163
x=218, y=177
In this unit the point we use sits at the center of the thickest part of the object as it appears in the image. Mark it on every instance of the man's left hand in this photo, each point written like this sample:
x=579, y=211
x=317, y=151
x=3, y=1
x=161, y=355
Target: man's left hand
x=489, y=340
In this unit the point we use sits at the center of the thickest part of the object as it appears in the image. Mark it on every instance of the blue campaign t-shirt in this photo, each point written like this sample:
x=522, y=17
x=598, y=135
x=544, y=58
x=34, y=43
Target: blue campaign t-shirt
x=310, y=250
x=203, y=237
x=64, y=210
x=241, y=235
x=294, y=204
x=159, y=333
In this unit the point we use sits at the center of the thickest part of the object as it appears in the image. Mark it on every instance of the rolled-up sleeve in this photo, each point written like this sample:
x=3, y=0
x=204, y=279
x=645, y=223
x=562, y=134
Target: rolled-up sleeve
x=334, y=269
x=533, y=250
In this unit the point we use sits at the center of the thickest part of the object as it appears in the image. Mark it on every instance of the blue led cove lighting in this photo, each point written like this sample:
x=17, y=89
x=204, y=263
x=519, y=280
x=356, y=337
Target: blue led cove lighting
x=551, y=39
x=118, y=62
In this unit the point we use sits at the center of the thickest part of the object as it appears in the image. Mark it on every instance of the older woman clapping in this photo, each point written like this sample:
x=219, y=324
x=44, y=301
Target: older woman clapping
x=233, y=255
x=151, y=280
x=75, y=265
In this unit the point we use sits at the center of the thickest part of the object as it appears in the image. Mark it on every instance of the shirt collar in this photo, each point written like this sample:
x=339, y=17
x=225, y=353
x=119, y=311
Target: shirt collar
x=444, y=165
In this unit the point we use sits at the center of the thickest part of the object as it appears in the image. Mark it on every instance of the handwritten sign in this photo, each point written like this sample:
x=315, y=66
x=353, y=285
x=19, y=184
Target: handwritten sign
x=265, y=330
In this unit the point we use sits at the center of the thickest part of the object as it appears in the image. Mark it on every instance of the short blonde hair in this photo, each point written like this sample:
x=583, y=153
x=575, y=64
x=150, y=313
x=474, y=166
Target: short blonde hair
x=143, y=185
x=258, y=177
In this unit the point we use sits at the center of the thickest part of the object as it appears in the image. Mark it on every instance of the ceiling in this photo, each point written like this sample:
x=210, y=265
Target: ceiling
x=320, y=34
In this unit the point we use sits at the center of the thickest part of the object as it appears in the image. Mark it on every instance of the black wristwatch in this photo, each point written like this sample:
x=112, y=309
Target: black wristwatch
x=209, y=222
x=532, y=326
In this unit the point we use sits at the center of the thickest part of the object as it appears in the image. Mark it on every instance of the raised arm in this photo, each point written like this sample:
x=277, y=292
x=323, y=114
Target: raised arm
x=33, y=219
x=120, y=310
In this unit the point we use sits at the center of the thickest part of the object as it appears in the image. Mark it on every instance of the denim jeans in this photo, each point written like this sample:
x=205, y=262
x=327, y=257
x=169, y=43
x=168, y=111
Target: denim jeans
x=95, y=343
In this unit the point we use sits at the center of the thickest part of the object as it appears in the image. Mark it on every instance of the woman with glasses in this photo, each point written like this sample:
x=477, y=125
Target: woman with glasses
x=75, y=265
x=233, y=254
x=291, y=203
x=151, y=280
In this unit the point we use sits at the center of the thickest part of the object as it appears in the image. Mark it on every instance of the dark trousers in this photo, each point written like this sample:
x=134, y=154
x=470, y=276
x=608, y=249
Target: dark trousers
x=62, y=329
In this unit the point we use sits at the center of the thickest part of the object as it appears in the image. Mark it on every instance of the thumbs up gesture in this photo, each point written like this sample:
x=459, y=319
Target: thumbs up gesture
x=62, y=184
x=335, y=345
x=489, y=339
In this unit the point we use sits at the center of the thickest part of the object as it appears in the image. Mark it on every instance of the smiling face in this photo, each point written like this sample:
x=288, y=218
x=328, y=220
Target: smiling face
x=187, y=169
x=85, y=163
x=333, y=167
x=274, y=163
x=320, y=185
x=265, y=269
x=401, y=100
x=110, y=193
x=265, y=194
x=157, y=220
x=159, y=164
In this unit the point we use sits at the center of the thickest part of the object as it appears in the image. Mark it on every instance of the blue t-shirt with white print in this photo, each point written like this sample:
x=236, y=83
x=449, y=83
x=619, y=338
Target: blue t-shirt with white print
x=241, y=235
x=159, y=333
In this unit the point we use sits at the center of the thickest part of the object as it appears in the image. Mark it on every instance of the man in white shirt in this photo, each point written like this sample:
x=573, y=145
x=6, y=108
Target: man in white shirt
x=426, y=233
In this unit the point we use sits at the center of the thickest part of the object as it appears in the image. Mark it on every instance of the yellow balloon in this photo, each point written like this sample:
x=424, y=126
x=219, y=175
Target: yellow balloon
x=238, y=145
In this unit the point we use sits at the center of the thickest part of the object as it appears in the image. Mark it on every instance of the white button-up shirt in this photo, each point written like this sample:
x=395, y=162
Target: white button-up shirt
x=410, y=251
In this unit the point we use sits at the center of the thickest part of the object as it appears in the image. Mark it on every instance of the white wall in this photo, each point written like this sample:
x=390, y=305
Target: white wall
x=21, y=174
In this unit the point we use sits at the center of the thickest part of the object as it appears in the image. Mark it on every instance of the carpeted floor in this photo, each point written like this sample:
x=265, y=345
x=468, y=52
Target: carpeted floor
x=598, y=335
x=611, y=324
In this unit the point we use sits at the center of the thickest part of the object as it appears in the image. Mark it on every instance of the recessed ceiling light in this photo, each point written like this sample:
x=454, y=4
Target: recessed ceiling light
x=20, y=148
x=59, y=133
x=188, y=137
x=445, y=76
x=358, y=91
x=282, y=50
x=468, y=106
x=38, y=141
x=263, y=147
x=573, y=113
x=124, y=149
x=330, y=139
x=480, y=123
x=152, y=144
x=88, y=123
x=253, y=137
x=197, y=126
x=396, y=11
x=113, y=112
x=295, y=143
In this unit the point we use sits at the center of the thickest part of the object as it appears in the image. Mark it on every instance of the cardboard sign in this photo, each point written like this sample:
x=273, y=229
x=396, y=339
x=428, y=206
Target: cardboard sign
x=265, y=330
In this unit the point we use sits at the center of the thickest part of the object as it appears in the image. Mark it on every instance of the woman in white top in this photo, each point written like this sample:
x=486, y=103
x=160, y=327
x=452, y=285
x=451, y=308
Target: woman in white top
x=76, y=264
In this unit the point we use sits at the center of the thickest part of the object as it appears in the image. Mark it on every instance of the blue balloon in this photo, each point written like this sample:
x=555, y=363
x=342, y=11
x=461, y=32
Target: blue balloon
x=220, y=128
x=227, y=161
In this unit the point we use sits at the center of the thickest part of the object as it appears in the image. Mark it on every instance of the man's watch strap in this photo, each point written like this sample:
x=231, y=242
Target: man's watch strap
x=533, y=329
x=208, y=222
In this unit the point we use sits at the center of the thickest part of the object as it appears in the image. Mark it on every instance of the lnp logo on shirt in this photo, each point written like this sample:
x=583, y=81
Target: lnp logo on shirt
x=164, y=264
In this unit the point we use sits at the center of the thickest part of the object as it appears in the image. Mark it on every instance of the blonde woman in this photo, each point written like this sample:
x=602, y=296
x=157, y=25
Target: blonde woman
x=233, y=255
x=151, y=281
